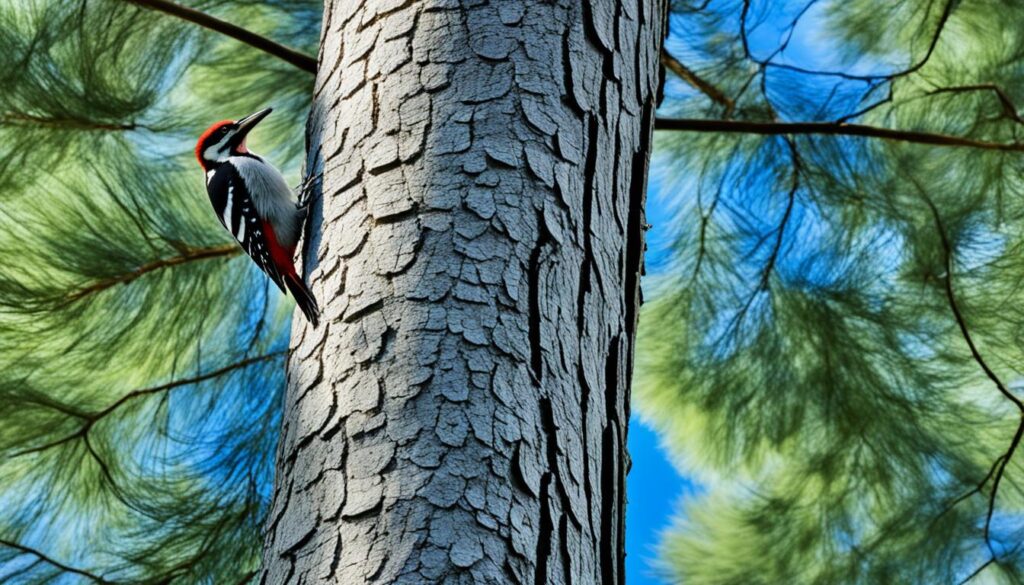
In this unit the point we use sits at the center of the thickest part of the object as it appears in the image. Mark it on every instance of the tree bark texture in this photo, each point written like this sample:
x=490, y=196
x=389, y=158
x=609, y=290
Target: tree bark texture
x=460, y=416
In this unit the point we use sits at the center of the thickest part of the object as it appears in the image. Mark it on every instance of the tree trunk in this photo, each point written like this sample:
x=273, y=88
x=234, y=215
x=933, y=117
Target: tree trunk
x=460, y=416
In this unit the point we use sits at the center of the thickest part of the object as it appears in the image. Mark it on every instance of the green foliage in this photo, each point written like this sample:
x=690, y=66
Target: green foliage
x=139, y=390
x=843, y=371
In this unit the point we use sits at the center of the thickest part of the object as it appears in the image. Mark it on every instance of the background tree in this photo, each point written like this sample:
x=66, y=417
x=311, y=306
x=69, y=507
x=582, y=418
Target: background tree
x=844, y=289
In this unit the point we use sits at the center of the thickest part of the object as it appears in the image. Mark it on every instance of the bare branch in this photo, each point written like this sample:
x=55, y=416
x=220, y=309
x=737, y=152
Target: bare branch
x=188, y=255
x=296, y=58
x=830, y=129
x=697, y=82
x=49, y=560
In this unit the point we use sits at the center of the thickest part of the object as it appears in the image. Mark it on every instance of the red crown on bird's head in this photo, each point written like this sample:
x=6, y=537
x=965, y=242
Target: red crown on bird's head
x=209, y=132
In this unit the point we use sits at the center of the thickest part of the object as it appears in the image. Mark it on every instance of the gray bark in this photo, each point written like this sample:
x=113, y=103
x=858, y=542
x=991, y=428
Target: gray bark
x=460, y=416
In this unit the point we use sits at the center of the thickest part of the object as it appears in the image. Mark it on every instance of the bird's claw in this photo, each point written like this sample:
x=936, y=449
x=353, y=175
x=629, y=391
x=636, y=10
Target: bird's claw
x=305, y=188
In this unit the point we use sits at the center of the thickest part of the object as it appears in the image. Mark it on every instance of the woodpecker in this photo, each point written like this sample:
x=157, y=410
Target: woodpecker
x=254, y=203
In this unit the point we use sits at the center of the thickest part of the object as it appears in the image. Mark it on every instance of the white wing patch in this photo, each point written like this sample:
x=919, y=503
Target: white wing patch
x=226, y=216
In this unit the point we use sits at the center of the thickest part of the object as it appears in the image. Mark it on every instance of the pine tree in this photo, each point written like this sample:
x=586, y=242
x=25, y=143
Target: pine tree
x=462, y=418
x=142, y=397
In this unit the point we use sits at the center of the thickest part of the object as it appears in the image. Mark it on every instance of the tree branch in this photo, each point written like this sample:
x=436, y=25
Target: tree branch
x=1004, y=99
x=92, y=418
x=830, y=129
x=764, y=281
x=20, y=118
x=186, y=381
x=296, y=58
x=1001, y=463
x=188, y=255
x=697, y=82
x=51, y=561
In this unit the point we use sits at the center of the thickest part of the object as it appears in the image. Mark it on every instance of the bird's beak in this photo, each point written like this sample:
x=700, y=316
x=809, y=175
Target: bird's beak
x=249, y=122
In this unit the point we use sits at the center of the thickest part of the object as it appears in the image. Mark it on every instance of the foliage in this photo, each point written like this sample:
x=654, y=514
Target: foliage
x=139, y=388
x=846, y=348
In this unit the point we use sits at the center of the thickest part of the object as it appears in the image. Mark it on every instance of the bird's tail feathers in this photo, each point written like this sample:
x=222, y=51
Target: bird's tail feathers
x=303, y=298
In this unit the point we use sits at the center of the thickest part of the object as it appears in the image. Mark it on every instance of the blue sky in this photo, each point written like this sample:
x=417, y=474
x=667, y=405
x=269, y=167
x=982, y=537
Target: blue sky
x=654, y=487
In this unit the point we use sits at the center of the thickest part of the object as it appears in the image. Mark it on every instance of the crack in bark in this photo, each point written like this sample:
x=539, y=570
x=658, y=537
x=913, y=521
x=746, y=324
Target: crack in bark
x=585, y=408
x=635, y=220
x=533, y=283
x=546, y=529
x=569, y=96
x=563, y=538
x=611, y=484
x=516, y=464
x=363, y=311
x=589, y=170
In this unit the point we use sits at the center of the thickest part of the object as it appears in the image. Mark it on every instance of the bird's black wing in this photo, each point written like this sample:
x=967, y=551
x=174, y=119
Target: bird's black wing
x=233, y=205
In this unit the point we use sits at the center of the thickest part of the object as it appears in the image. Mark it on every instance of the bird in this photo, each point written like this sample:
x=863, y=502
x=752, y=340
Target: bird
x=254, y=203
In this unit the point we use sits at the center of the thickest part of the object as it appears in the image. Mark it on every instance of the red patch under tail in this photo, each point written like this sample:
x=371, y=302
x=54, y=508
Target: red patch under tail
x=282, y=258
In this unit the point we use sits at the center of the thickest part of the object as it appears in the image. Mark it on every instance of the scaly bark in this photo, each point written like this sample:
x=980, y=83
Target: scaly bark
x=460, y=416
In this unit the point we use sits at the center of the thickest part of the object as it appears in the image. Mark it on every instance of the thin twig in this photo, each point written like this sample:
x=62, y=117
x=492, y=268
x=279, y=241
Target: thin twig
x=1004, y=460
x=978, y=571
x=1004, y=99
x=913, y=68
